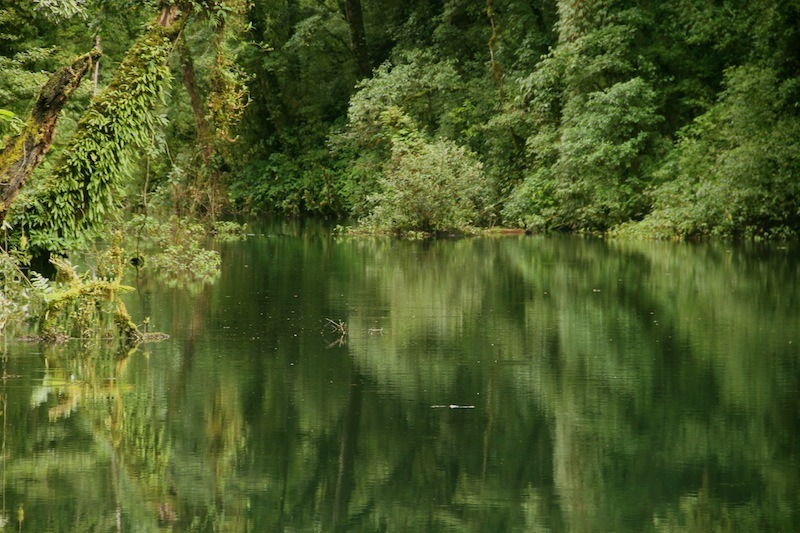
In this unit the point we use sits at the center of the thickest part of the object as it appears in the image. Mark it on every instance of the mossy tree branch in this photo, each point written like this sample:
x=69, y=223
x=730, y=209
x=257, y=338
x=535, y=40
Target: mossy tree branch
x=87, y=185
x=22, y=154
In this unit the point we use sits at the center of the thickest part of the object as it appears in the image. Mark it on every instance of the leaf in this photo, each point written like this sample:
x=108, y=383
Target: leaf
x=40, y=283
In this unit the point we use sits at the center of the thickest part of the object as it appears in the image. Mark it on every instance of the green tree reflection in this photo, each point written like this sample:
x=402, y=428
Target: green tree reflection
x=511, y=384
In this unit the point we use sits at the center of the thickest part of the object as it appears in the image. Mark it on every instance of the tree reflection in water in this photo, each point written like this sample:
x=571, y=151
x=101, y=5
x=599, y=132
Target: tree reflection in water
x=616, y=386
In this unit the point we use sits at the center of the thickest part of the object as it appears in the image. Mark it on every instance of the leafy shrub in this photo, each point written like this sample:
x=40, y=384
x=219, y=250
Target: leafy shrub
x=592, y=172
x=734, y=170
x=18, y=295
x=428, y=186
x=86, y=305
x=174, y=250
x=228, y=231
x=409, y=95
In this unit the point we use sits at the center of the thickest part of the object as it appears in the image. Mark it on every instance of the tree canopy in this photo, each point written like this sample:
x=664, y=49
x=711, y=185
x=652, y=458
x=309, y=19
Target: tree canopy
x=671, y=119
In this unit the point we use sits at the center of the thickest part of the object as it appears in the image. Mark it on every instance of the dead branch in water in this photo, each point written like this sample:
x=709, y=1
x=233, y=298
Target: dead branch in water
x=338, y=328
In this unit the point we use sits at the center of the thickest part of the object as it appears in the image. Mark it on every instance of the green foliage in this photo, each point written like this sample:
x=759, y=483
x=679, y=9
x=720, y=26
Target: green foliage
x=284, y=185
x=228, y=230
x=87, y=307
x=174, y=250
x=188, y=163
x=87, y=188
x=21, y=295
x=396, y=102
x=428, y=186
x=8, y=123
x=19, y=84
x=228, y=93
x=734, y=170
x=419, y=85
x=61, y=9
x=18, y=294
x=586, y=116
x=598, y=170
x=302, y=76
x=228, y=97
x=595, y=124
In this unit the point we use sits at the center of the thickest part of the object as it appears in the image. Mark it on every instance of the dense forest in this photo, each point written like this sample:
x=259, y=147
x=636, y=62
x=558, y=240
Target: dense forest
x=671, y=119
x=597, y=371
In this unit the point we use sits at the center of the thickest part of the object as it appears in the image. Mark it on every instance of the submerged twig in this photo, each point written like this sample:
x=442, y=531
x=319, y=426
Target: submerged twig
x=338, y=328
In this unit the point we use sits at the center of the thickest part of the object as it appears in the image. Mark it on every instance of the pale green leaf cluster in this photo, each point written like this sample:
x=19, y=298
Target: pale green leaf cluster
x=174, y=249
x=8, y=122
x=62, y=9
x=430, y=186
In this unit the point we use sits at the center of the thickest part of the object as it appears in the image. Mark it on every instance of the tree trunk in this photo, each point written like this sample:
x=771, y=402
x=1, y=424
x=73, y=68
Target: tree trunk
x=497, y=72
x=276, y=119
x=358, y=39
x=190, y=82
x=96, y=70
x=23, y=153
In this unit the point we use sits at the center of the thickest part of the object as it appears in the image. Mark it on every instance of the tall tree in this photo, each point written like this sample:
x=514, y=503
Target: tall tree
x=198, y=107
x=597, y=114
x=358, y=40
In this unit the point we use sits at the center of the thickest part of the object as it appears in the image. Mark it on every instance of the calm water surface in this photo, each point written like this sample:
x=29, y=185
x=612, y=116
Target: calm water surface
x=488, y=384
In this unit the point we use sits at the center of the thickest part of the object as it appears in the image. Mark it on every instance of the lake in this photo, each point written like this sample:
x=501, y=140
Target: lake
x=515, y=383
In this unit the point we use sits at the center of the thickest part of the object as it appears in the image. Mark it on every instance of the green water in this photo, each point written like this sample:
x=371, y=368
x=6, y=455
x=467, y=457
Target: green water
x=488, y=384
